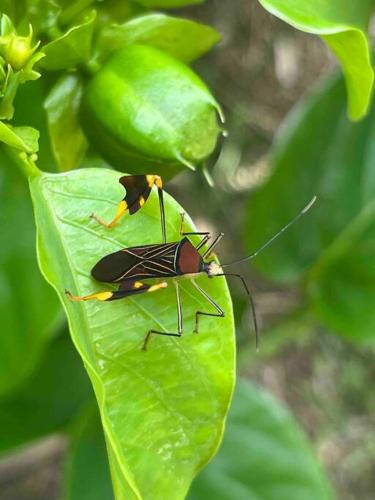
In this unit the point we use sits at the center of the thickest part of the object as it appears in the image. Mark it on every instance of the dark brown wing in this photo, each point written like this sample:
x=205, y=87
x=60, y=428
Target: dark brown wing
x=137, y=191
x=146, y=261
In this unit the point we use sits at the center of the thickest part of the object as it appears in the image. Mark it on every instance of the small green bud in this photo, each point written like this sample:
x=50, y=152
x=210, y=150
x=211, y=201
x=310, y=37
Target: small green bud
x=17, y=50
x=17, y=59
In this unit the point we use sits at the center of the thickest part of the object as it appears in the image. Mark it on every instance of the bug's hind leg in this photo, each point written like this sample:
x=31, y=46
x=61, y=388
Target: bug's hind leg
x=179, y=322
x=106, y=295
x=126, y=289
x=220, y=313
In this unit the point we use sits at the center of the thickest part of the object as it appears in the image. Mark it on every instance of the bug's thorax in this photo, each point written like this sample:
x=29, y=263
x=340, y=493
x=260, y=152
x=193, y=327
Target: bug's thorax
x=188, y=259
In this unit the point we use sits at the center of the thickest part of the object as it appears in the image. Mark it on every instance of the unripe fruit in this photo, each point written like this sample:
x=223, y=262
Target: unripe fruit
x=145, y=110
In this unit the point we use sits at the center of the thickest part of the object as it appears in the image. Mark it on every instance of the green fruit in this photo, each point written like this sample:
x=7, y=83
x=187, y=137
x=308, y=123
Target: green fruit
x=145, y=110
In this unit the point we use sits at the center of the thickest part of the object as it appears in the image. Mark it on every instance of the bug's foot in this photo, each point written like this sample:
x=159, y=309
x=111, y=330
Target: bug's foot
x=145, y=342
x=68, y=294
x=100, y=221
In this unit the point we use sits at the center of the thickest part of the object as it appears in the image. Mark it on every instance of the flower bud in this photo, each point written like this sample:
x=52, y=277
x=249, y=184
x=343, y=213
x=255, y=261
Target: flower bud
x=17, y=50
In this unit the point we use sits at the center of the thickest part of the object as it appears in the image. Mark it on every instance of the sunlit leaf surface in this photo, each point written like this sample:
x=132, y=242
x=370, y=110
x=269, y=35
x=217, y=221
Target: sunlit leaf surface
x=163, y=410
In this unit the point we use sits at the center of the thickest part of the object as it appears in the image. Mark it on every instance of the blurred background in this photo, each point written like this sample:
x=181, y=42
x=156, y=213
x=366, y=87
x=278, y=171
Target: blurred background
x=317, y=328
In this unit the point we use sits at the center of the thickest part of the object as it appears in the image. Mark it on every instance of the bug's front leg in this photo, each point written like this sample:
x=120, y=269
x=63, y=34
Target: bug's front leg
x=206, y=234
x=220, y=313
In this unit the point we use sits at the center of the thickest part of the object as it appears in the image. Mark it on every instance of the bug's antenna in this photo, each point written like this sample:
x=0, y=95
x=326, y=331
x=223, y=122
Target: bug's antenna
x=267, y=243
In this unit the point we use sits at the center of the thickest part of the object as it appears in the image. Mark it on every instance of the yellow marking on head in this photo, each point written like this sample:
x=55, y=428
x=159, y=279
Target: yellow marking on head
x=141, y=201
x=154, y=288
x=158, y=182
x=138, y=284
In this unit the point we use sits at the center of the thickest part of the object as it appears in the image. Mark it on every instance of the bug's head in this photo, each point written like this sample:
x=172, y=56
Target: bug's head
x=212, y=269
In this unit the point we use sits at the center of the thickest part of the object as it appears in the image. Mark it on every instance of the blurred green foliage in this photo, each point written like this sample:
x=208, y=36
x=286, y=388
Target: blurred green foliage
x=319, y=151
x=29, y=309
x=343, y=26
x=271, y=460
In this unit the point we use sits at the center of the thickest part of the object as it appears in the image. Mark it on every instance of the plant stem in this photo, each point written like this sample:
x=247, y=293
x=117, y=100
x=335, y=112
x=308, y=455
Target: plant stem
x=25, y=162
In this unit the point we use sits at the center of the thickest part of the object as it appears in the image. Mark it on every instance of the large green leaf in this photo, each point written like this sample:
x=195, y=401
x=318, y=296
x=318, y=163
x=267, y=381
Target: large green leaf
x=28, y=308
x=181, y=38
x=343, y=26
x=49, y=399
x=319, y=151
x=264, y=456
x=162, y=410
x=62, y=107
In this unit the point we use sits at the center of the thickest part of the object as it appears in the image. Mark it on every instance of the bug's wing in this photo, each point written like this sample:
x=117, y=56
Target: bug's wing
x=111, y=267
x=137, y=191
x=136, y=262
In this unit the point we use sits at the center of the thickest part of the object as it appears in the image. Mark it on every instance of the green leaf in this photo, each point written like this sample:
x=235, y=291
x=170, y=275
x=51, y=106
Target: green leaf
x=87, y=474
x=23, y=139
x=264, y=455
x=145, y=398
x=319, y=151
x=183, y=39
x=146, y=110
x=300, y=170
x=343, y=26
x=29, y=108
x=166, y=4
x=341, y=285
x=62, y=107
x=72, y=48
x=49, y=399
x=41, y=14
x=8, y=8
x=28, y=308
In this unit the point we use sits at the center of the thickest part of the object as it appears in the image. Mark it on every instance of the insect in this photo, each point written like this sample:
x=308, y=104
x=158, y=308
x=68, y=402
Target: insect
x=138, y=189
x=130, y=267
